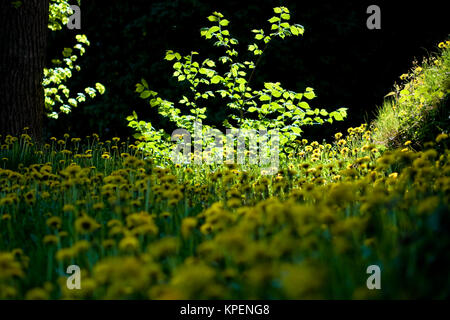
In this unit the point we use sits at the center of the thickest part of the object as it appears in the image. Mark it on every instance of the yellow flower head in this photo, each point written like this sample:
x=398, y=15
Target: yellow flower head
x=86, y=224
x=54, y=222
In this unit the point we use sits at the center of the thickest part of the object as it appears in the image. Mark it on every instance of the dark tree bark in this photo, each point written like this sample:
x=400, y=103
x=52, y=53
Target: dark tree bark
x=23, y=44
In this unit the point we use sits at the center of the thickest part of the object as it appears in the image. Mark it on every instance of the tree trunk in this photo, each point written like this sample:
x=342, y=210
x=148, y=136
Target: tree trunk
x=23, y=44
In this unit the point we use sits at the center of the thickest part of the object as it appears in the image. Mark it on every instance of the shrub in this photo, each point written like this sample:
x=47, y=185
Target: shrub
x=228, y=79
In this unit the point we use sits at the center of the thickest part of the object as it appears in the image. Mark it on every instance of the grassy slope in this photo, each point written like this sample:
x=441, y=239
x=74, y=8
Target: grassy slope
x=417, y=109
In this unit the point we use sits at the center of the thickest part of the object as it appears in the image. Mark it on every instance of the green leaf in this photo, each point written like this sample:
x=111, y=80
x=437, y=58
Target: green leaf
x=100, y=88
x=170, y=56
x=309, y=95
x=274, y=19
x=294, y=30
x=276, y=93
x=145, y=94
x=296, y=130
x=318, y=120
x=338, y=116
x=210, y=63
x=216, y=79
x=392, y=93
x=277, y=10
x=300, y=29
x=214, y=29
x=404, y=92
x=139, y=88
x=290, y=106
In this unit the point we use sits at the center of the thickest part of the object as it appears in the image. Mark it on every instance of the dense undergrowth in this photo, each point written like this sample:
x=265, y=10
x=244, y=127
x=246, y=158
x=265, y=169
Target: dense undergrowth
x=417, y=109
x=140, y=230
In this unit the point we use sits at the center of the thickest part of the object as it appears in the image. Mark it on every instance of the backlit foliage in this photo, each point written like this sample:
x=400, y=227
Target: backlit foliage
x=57, y=93
x=228, y=80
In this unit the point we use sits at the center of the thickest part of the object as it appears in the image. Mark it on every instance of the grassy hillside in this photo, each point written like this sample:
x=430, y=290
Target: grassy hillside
x=417, y=109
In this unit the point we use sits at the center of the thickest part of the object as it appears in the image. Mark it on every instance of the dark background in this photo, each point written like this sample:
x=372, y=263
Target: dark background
x=347, y=64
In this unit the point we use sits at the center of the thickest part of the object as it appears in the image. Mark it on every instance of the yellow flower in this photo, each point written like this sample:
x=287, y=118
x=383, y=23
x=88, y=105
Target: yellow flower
x=442, y=136
x=45, y=195
x=54, y=222
x=164, y=247
x=65, y=254
x=234, y=202
x=393, y=175
x=302, y=281
x=108, y=243
x=98, y=206
x=37, y=294
x=30, y=197
x=69, y=207
x=165, y=214
x=206, y=228
x=129, y=243
x=63, y=234
x=187, y=225
x=86, y=224
x=81, y=246
x=193, y=279
x=50, y=239
x=9, y=267
x=114, y=222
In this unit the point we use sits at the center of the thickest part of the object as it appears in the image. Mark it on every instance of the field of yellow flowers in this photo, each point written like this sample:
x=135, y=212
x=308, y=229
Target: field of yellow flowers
x=140, y=230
